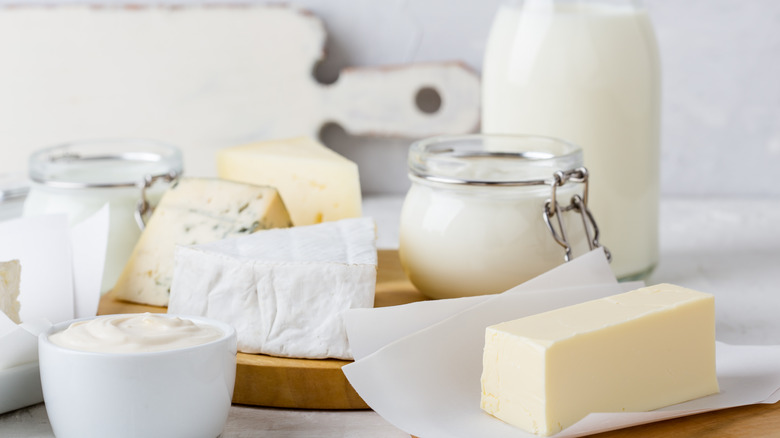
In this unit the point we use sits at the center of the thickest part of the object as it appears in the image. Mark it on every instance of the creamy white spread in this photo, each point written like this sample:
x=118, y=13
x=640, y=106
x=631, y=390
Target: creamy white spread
x=134, y=333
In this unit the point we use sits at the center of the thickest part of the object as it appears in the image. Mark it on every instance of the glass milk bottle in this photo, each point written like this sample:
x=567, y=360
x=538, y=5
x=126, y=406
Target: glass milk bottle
x=586, y=72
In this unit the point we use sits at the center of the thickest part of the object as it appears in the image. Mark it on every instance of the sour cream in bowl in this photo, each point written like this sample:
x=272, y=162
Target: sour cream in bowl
x=138, y=375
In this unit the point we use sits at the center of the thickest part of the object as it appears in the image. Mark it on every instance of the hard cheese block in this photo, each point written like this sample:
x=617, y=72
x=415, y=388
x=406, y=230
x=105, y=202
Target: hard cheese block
x=10, y=275
x=316, y=183
x=283, y=290
x=637, y=351
x=193, y=211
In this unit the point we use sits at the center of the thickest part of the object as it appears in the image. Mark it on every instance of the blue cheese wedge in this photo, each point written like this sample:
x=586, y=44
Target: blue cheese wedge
x=637, y=351
x=283, y=290
x=194, y=211
x=10, y=275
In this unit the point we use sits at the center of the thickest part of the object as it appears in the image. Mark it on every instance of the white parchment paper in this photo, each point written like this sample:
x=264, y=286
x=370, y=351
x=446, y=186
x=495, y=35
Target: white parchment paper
x=426, y=379
x=62, y=268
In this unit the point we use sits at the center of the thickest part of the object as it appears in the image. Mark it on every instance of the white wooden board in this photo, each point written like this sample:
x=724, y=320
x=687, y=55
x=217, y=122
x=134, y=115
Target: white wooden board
x=200, y=77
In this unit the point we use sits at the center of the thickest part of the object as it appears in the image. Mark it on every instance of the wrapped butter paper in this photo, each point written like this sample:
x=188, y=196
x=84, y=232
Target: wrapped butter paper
x=61, y=273
x=432, y=363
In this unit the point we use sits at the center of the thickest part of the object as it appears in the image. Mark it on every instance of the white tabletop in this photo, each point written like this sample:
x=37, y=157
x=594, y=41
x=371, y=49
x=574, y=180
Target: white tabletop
x=727, y=247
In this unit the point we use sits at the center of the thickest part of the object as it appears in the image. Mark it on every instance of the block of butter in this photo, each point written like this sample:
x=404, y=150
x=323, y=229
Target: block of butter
x=637, y=351
x=192, y=211
x=316, y=183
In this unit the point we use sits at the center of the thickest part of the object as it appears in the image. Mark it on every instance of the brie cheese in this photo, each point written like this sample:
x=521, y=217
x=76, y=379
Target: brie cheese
x=283, y=290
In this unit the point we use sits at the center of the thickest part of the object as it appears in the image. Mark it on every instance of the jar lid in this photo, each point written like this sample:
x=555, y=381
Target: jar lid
x=492, y=160
x=104, y=163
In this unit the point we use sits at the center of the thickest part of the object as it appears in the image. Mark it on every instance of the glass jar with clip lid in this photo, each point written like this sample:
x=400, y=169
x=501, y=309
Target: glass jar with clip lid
x=485, y=213
x=79, y=178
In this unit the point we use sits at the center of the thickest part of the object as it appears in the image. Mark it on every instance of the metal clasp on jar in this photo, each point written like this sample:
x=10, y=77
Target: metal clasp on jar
x=578, y=204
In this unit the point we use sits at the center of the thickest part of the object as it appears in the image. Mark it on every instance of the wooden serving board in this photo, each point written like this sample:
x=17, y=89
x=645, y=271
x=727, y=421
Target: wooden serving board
x=298, y=383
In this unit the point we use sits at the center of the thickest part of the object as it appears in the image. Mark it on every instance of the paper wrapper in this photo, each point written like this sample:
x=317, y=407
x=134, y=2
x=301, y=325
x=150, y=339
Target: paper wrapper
x=419, y=365
x=62, y=268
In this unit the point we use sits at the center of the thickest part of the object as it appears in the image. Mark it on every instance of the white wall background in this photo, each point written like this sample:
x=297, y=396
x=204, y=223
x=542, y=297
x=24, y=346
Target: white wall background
x=721, y=76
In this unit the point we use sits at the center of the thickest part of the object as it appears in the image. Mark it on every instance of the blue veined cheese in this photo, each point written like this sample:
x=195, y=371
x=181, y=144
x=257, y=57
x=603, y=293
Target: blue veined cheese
x=194, y=211
x=10, y=276
x=637, y=351
x=316, y=183
x=283, y=290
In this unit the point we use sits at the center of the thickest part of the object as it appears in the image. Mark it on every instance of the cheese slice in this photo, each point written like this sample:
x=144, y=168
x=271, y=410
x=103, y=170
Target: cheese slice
x=316, y=183
x=194, y=211
x=10, y=276
x=637, y=351
x=283, y=290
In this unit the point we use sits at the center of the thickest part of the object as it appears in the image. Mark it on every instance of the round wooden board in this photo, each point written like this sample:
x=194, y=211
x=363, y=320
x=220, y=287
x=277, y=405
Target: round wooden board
x=298, y=383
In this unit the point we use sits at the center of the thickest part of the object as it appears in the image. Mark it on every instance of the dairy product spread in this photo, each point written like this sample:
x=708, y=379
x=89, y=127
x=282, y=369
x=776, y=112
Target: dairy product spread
x=134, y=333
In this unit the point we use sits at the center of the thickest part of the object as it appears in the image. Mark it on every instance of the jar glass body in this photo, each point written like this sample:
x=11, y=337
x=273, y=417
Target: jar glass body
x=78, y=179
x=587, y=72
x=465, y=239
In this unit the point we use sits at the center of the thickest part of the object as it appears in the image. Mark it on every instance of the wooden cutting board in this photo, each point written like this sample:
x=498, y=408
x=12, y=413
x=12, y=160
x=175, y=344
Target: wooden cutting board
x=201, y=78
x=298, y=383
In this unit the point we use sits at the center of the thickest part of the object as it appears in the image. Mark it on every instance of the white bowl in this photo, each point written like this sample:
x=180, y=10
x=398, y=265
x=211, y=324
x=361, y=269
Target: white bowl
x=184, y=392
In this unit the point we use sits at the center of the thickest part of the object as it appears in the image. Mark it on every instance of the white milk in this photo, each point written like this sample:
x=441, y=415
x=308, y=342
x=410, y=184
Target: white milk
x=589, y=74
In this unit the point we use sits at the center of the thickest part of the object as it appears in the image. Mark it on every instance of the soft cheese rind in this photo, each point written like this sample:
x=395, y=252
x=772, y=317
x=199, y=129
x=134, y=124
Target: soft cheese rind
x=316, y=184
x=637, y=351
x=10, y=276
x=193, y=211
x=283, y=290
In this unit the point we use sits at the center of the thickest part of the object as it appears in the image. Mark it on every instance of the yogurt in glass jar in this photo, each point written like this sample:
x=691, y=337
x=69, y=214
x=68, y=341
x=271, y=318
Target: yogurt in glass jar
x=481, y=217
x=77, y=179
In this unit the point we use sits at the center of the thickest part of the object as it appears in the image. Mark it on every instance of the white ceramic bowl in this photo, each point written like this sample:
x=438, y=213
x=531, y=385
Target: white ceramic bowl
x=184, y=393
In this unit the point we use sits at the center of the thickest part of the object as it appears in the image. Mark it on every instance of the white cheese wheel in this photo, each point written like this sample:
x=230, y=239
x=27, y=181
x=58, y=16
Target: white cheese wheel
x=283, y=290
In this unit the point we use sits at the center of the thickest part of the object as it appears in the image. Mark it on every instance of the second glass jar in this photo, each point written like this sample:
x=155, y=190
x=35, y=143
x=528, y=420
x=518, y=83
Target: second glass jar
x=473, y=221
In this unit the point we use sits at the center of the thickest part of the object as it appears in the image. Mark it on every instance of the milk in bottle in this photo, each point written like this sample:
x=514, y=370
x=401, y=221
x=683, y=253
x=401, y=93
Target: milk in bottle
x=586, y=72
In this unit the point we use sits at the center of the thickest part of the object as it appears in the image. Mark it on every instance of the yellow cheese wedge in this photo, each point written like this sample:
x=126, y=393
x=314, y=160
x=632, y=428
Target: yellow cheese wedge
x=191, y=212
x=637, y=351
x=316, y=183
